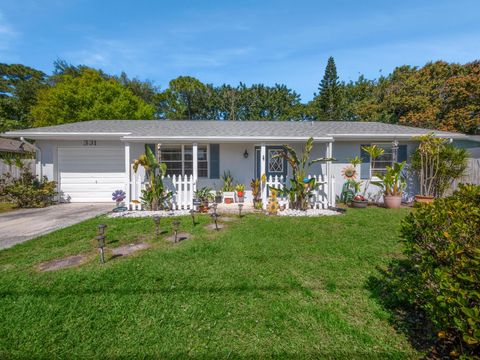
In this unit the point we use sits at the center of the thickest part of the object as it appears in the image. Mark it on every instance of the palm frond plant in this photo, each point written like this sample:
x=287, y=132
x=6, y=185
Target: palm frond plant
x=392, y=183
x=228, y=187
x=155, y=196
x=301, y=186
x=255, y=184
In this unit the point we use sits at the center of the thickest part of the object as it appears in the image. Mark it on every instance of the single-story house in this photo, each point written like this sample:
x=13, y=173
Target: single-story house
x=91, y=159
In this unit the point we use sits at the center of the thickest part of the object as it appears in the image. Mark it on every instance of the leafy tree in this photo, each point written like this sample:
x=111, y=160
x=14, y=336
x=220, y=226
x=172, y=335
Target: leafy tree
x=18, y=93
x=186, y=98
x=329, y=99
x=87, y=96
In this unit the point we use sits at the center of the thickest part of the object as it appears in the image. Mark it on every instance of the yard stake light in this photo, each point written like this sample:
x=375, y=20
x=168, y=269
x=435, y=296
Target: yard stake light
x=214, y=206
x=192, y=213
x=240, y=206
x=215, y=217
x=101, y=241
x=176, y=225
x=156, y=220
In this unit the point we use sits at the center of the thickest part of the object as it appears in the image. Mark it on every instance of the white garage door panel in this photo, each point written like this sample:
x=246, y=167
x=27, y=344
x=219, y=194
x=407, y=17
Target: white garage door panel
x=91, y=174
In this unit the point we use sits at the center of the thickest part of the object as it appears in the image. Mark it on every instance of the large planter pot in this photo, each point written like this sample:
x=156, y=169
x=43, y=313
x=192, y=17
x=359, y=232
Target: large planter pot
x=359, y=204
x=203, y=208
x=392, y=202
x=424, y=199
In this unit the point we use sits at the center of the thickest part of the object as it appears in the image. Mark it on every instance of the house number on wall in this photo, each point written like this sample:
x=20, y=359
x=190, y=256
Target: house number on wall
x=89, y=142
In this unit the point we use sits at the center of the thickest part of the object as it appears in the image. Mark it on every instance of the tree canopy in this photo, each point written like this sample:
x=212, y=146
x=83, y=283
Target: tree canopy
x=87, y=96
x=439, y=95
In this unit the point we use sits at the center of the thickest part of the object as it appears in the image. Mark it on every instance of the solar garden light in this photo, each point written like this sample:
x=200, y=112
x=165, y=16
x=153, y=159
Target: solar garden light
x=192, y=213
x=101, y=241
x=214, y=206
x=215, y=217
x=156, y=220
x=240, y=206
x=176, y=225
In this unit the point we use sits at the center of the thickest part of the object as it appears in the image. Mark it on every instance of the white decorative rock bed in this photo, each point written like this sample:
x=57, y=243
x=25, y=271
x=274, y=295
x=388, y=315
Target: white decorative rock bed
x=141, y=213
x=309, y=212
x=172, y=213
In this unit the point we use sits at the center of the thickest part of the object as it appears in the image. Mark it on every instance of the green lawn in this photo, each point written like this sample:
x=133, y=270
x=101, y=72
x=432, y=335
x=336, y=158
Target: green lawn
x=265, y=287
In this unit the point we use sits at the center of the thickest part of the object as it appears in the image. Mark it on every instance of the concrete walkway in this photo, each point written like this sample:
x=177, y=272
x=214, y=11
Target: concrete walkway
x=21, y=225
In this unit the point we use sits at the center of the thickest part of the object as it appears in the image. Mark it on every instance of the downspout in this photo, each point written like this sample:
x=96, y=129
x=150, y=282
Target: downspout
x=38, y=156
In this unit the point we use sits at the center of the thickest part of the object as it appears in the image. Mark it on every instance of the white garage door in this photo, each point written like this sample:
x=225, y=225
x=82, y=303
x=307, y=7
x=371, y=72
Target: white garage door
x=91, y=174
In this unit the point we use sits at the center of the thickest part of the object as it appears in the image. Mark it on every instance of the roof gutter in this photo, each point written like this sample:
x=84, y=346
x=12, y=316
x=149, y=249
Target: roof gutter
x=252, y=139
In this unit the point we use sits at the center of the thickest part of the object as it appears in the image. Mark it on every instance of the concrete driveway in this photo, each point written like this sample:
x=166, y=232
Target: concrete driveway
x=24, y=224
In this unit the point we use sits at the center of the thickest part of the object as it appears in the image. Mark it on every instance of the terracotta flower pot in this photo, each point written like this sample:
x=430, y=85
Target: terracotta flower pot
x=228, y=201
x=392, y=202
x=425, y=199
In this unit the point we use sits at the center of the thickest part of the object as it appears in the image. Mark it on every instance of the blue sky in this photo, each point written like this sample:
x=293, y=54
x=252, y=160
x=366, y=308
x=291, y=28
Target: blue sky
x=230, y=41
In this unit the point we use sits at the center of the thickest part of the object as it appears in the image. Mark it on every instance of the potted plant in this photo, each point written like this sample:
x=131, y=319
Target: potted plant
x=240, y=189
x=392, y=184
x=256, y=193
x=203, y=196
x=218, y=196
x=437, y=164
x=228, y=188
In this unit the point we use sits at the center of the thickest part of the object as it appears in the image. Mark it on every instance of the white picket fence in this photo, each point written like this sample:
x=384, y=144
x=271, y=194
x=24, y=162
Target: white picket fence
x=182, y=188
x=319, y=200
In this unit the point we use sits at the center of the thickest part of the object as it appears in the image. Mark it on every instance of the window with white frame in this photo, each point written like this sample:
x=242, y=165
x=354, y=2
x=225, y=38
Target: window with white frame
x=379, y=165
x=179, y=159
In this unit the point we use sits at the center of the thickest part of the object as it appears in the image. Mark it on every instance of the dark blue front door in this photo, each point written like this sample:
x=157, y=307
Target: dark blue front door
x=275, y=166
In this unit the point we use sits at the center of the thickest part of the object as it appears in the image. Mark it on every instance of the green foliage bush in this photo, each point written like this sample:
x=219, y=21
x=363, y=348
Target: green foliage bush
x=27, y=191
x=442, y=243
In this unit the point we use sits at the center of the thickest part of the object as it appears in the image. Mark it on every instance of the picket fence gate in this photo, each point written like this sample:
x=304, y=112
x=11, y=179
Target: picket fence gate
x=319, y=199
x=182, y=187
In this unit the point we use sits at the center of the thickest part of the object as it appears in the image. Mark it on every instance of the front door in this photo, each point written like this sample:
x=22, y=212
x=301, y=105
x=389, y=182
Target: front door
x=275, y=166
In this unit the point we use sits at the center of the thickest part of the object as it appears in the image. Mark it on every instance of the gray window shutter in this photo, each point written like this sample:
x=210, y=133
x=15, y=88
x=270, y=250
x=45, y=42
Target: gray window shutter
x=365, y=165
x=214, y=161
x=402, y=154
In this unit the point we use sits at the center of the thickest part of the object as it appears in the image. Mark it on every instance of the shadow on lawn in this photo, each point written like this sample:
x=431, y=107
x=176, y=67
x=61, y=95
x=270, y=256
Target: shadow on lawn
x=404, y=316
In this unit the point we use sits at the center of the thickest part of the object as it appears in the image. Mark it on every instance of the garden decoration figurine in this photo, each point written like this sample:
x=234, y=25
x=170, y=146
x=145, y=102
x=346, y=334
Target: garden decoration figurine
x=176, y=225
x=101, y=241
x=119, y=196
x=156, y=220
x=273, y=207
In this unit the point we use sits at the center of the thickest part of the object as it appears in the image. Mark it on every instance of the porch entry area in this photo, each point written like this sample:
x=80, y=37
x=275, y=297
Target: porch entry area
x=193, y=161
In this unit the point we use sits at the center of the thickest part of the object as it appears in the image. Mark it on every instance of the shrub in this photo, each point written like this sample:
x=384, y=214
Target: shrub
x=442, y=243
x=27, y=191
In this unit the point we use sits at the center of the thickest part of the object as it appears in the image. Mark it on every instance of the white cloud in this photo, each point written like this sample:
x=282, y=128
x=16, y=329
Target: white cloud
x=7, y=34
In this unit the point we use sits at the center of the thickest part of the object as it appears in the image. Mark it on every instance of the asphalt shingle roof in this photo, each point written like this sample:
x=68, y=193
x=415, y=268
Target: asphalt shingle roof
x=205, y=128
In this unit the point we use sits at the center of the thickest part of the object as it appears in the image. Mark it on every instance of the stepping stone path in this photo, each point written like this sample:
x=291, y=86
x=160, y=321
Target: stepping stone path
x=181, y=236
x=62, y=263
x=212, y=226
x=129, y=249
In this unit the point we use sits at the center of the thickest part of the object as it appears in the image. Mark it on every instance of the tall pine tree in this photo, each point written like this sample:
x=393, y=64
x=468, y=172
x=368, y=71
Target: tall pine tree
x=328, y=102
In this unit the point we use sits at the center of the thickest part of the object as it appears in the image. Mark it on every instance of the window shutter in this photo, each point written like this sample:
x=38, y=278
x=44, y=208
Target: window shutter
x=365, y=165
x=402, y=154
x=214, y=161
x=152, y=147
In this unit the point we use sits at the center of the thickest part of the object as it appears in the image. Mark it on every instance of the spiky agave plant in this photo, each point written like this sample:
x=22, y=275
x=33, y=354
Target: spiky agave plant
x=154, y=195
x=301, y=187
